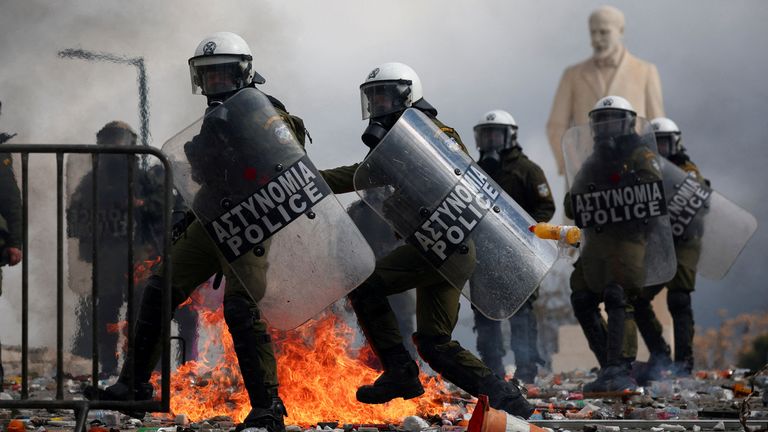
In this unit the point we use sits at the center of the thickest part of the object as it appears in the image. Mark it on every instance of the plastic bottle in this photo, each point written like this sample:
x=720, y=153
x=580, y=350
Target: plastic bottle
x=568, y=233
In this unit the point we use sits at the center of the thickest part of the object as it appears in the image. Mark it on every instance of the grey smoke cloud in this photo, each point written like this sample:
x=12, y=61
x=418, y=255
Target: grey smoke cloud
x=471, y=56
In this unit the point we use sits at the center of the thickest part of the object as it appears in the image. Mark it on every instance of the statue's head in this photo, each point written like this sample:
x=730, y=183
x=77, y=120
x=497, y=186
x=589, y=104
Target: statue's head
x=606, y=29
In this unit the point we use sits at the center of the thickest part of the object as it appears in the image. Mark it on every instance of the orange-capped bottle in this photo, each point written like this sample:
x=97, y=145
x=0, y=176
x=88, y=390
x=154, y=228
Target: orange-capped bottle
x=568, y=233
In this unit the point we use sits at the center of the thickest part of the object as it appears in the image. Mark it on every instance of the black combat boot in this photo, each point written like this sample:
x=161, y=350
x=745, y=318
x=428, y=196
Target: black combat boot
x=599, y=385
x=146, y=353
x=400, y=378
x=619, y=378
x=658, y=363
x=258, y=367
x=270, y=418
x=527, y=372
x=505, y=396
x=614, y=378
x=617, y=374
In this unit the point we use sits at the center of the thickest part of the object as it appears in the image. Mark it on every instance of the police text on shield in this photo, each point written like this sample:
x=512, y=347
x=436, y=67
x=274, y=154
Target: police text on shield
x=622, y=204
x=460, y=212
x=685, y=204
x=268, y=210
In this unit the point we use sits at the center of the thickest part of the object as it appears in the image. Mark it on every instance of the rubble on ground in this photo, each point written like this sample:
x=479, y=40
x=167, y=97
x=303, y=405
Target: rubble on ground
x=656, y=407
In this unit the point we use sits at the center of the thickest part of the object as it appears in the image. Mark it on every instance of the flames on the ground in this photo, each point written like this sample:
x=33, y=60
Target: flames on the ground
x=319, y=372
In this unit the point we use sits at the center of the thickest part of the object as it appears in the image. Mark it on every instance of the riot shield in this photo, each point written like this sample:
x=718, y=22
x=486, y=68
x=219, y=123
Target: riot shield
x=709, y=230
x=376, y=231
x=458, y=218
x=104, y=245
x=264, y=204
x=617, y=198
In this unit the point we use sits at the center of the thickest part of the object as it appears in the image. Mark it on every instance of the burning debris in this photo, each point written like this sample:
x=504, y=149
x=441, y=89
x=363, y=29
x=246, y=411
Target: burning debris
x=320, y=365
x=319, y=370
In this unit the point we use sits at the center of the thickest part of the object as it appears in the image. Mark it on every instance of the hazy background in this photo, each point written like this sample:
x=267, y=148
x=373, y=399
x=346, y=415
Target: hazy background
x=471, y=57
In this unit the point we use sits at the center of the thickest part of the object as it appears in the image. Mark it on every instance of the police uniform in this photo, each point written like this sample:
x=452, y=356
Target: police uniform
x=678, y=299
x=437, y=311
x=195, y=258
x=10, y=217
x=525, y=182
x=10, y=208
x=112, y=241
x=611, y=266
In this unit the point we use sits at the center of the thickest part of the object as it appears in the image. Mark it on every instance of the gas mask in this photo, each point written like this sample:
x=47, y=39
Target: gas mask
x=378, y=128
x=490, y=161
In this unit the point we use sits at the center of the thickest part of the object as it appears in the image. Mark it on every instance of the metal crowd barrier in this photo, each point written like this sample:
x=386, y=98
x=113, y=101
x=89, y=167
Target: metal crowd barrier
x=81, y=407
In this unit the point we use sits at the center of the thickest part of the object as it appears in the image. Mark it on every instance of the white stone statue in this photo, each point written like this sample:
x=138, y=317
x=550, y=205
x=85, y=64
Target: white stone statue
x=611, y=70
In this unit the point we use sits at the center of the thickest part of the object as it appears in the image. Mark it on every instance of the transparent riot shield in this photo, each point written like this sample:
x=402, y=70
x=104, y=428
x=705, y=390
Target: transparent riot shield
x=108, y=240
x=709, y=230
x=617, y=198
x=376, y=231
x=264, y=204
x=461, y=221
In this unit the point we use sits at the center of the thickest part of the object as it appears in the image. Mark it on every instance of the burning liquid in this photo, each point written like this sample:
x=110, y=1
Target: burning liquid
x=318, y=369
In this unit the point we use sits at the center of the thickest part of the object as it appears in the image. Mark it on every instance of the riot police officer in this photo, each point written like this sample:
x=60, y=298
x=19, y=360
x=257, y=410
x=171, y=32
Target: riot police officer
x=679, y=289
x=502, y=157
x=112, y=242
x=221, y=67
x=10, y=217
x=612, y=266
x=386, y=93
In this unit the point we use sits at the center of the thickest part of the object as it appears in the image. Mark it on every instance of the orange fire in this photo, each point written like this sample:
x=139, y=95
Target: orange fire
x=143, y=269
x=318, y=369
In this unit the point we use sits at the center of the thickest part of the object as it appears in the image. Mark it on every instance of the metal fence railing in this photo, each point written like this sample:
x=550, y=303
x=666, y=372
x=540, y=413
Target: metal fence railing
x=81, y=407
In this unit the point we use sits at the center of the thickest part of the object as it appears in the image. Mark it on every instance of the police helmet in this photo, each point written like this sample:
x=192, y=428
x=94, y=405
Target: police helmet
x=222, y=64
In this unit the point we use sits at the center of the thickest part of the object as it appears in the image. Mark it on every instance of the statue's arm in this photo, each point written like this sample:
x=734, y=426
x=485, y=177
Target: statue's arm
x=654, y=101
x=560, y=119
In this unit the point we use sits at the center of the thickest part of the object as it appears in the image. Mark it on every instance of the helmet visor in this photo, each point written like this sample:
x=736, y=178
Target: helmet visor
x=380, y=98
x=667, y=143
x=493, y=137
x=606, y=115
x=608, y=123
x=212, y=79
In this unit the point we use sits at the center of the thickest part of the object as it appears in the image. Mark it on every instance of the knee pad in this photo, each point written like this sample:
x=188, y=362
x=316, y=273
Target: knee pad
x=240, y=314
x=678, y=301
x=613, y=296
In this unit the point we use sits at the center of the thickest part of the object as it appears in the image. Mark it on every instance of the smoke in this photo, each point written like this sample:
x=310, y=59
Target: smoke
x=54, y=93
x=471, y=57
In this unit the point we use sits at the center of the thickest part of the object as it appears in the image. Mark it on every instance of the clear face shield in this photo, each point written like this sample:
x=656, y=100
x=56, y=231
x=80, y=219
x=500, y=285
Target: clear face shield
x=215, y=78
x=611, y=123
x=116, y=136
x=494, y=138
x=379, y=98
x=668, y=143
x=491, y=140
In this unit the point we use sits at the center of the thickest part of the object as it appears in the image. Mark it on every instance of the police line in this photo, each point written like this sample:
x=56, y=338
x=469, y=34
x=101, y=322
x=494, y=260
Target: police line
x=268, y=210
x=622, y=204
x=685, y=204
x=457, y=215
